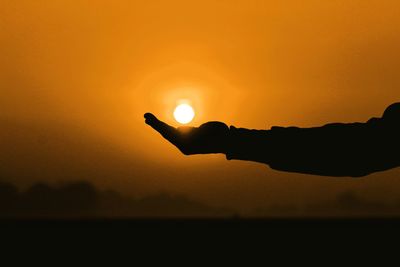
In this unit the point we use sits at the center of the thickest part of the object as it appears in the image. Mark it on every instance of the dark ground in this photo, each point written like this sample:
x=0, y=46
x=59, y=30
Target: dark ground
x=193, y=240
x=153, y=226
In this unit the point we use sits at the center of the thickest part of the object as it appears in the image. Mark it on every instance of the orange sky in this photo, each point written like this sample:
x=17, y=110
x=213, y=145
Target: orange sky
x=77, y=76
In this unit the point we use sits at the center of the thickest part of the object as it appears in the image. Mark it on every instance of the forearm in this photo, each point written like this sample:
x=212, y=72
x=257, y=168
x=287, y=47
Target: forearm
x=331, y=150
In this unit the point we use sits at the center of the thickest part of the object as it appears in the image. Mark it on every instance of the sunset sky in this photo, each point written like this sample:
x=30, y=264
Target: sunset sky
x=76, y=78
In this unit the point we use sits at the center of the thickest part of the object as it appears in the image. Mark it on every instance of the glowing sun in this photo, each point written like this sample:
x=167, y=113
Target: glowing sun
x=184, y=113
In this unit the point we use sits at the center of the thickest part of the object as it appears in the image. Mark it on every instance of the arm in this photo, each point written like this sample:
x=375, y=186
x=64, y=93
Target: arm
x=330, y=150
x=337, y=149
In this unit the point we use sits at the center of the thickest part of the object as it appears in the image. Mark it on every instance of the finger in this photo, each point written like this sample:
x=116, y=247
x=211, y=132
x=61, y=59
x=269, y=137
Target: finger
x=168, y=132
x=150, y=118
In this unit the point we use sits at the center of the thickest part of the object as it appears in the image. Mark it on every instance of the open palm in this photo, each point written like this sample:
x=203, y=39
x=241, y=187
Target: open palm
x=210, y=137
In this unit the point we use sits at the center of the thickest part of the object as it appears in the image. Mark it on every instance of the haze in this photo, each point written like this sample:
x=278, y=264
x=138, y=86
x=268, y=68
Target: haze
x=76, y=78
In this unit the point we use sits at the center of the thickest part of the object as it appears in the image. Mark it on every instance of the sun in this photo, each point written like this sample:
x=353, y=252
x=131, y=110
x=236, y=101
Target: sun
x=184, y=113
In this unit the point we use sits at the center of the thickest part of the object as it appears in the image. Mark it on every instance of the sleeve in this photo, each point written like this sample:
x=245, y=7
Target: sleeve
x=331, y=150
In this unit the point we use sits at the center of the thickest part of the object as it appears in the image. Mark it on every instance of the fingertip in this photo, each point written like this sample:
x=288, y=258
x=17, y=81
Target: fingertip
x=150, y=118
x=149, y=115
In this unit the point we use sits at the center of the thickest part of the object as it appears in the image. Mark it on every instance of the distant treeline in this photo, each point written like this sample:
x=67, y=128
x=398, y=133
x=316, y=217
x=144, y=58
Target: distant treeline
x=82, y=199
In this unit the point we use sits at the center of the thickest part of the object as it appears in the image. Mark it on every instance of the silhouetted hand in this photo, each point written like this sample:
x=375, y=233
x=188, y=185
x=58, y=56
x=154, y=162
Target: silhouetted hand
x=210, y=137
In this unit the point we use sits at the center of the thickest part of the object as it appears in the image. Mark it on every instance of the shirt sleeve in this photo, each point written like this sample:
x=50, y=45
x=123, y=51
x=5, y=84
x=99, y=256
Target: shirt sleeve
x=336, y=149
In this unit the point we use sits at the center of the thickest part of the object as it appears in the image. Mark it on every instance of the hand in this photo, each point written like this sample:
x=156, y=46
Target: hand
x=210, y=137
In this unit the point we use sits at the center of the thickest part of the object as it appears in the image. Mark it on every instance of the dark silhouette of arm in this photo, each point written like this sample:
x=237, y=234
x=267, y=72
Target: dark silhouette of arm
x=336, y=149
